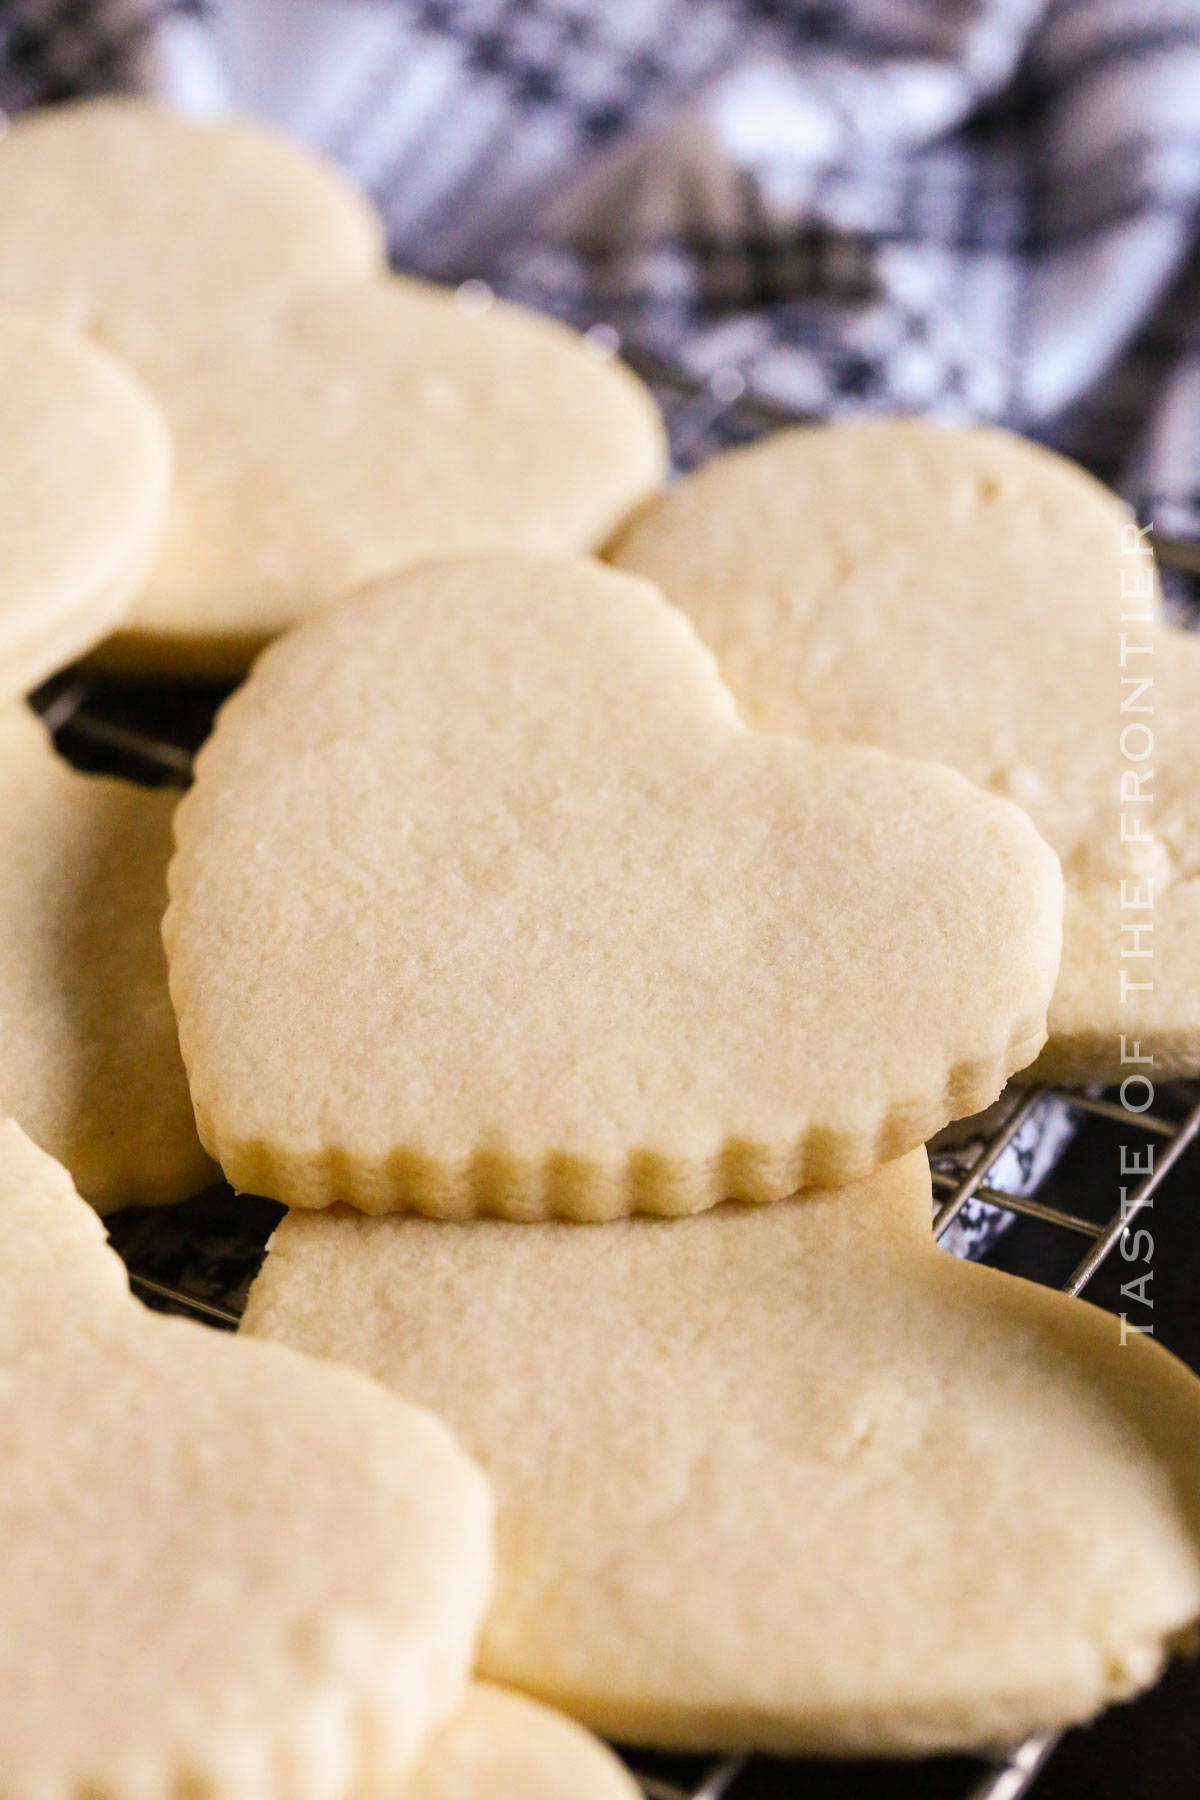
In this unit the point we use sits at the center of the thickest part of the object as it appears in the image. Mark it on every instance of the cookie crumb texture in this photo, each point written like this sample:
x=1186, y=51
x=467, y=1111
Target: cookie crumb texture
x=484, y=901
x=781, y=1478
x=226, y=1570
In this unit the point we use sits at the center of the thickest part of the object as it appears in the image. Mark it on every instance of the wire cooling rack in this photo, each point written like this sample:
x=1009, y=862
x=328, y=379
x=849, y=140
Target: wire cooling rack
x=199, y=1258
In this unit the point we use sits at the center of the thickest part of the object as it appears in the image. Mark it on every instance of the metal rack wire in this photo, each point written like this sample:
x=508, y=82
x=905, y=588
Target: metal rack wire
x=148, y=733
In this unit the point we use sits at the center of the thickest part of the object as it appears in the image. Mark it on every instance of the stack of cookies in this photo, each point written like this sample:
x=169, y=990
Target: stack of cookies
x=583, y=950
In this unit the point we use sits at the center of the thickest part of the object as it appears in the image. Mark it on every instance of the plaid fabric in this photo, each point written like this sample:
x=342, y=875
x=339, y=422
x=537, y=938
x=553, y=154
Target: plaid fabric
x=985, y=208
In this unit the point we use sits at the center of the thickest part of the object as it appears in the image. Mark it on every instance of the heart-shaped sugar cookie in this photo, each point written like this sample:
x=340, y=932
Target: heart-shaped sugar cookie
x=225, y=1570
x=89, y=1051
x=144, y=228
x=84, y=472
x=350, y=433
x=967, y=597
x=330, y=424
x=484, y=901
x=501, y=1746
x=781, y=1477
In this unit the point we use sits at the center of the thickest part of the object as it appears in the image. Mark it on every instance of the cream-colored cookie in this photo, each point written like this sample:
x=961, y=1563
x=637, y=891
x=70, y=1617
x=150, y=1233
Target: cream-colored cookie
x=355, y=432
x=781, y=1477
x=84, y=472
x=89, y=1053
x=484, y=901
x=226, y=1570
x=965, y=596
x=502, y=1746
x=328, y=429
x=144, y=228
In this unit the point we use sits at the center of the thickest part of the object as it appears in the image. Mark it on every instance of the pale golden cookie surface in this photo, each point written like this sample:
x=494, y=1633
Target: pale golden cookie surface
x=484, y=901
x=89, y=1051
x=964, y=596
x=501, y=1746
x=352, y=433
x=783, y=1477
x=84, y=474
x=144, y=228
x=226, y=1569
x=331, y=424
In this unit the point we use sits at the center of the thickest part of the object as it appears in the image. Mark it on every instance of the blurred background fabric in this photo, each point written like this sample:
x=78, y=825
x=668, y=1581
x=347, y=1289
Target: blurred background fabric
x=980, y=208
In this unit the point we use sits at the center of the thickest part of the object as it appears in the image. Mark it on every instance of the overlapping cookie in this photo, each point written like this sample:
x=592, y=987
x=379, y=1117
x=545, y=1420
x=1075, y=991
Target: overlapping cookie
x=781, y=1477
x=350, y=433
x=89, y=1054
x=145, y=229
x=485, y=901
x=226, y=1570
x=965, y=596
x=330, y=424
x=84, y=473
x=502, y=1746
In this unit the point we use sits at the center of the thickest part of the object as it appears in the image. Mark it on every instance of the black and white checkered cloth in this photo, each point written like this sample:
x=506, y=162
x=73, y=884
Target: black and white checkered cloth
x=986, y=208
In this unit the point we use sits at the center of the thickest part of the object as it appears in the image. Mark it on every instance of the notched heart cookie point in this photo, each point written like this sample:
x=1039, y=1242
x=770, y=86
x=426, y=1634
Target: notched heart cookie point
x=485, y=901
x=296, y=1562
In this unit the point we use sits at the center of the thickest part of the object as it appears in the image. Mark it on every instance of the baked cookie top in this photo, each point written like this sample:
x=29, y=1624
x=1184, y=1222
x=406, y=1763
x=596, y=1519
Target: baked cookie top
x=782, y=1477
x=144, y=228
x=353, y=432
x=485, y=901
x=89, y=1050
x=330, y=424
x=295, y=1561
x=503, y=1746
x=967, y=596
x=84, y=473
